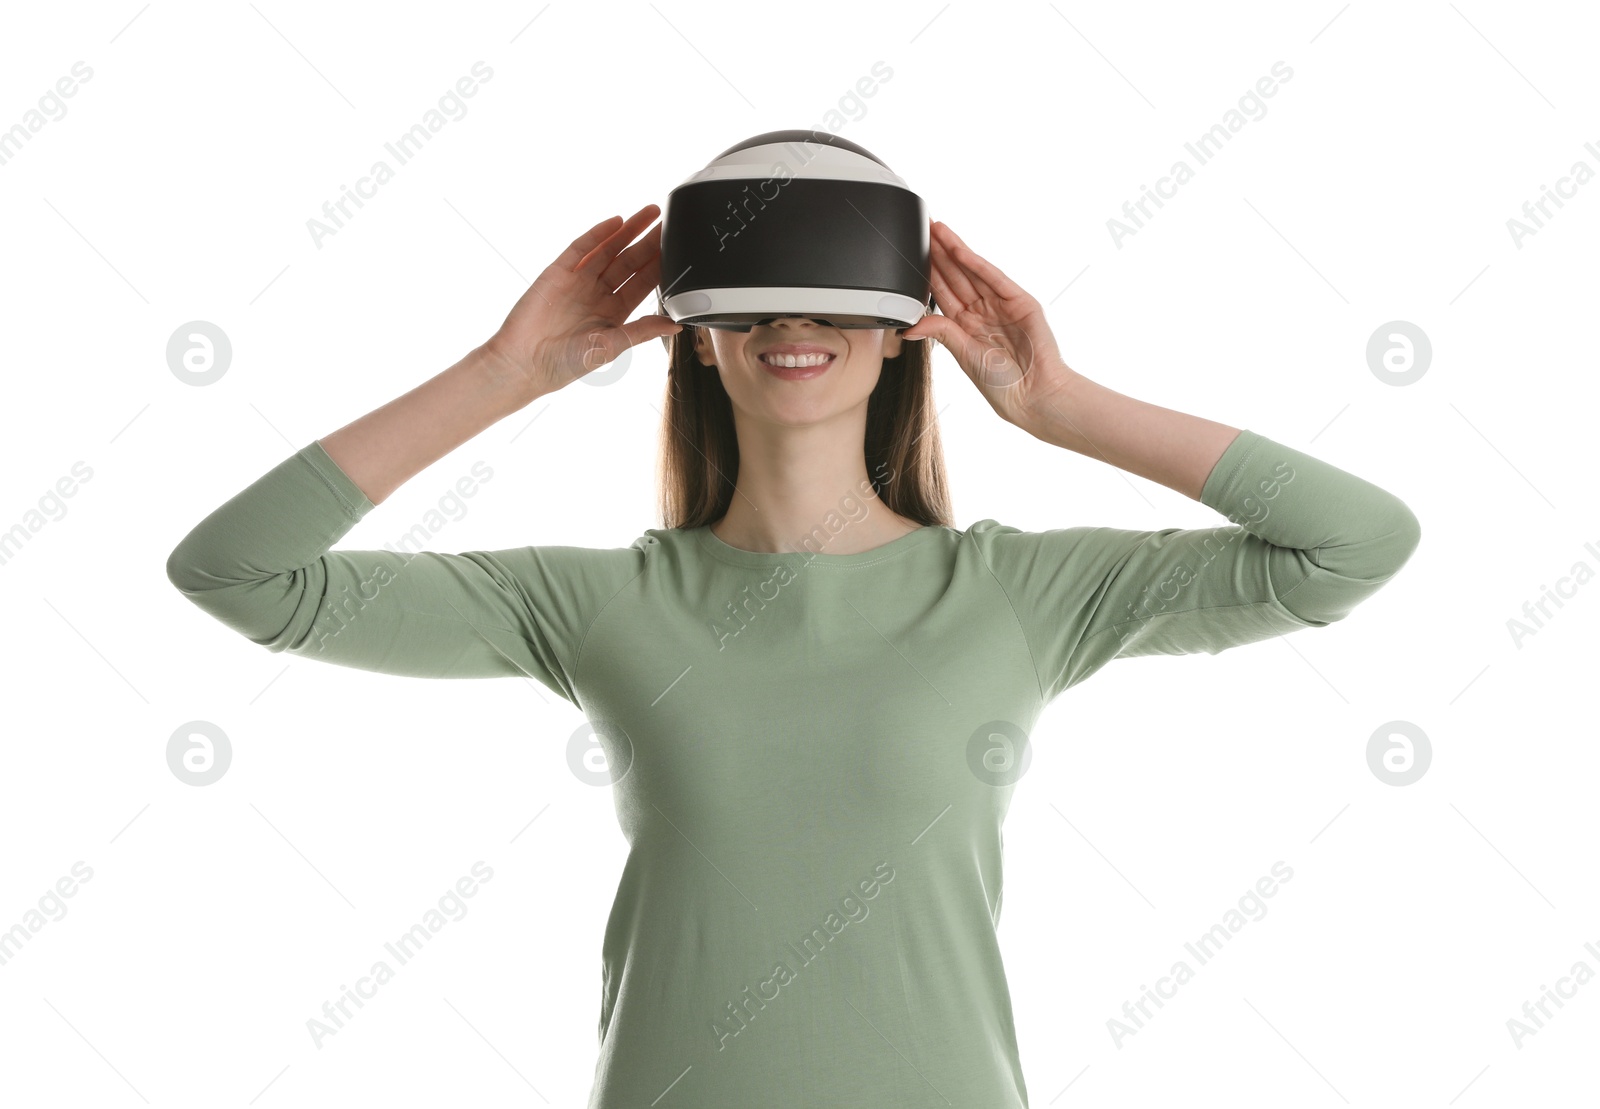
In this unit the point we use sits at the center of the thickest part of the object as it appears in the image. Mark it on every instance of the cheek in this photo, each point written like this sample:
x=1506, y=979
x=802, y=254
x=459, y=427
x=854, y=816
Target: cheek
x=862, y=370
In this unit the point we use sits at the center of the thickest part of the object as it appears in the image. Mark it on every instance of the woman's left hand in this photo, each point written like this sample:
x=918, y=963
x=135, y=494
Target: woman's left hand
x=995, y=330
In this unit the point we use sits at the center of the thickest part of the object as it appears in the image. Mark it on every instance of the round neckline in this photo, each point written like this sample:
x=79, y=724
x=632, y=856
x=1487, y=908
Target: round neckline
x=720, y=549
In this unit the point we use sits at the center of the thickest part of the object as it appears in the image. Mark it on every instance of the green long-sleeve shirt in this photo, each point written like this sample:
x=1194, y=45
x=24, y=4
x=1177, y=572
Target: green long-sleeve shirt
x=814, y=752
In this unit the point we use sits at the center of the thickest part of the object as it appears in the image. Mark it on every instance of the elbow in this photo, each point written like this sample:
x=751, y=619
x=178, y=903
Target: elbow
x=188, y=573
x=262, y=608
x=177, y=567
x=1404, y=536
x=181, y=570
x=1349, y=574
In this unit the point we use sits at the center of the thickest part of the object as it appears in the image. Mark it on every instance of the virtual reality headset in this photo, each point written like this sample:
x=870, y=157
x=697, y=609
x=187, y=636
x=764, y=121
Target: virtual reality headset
x=795, y=223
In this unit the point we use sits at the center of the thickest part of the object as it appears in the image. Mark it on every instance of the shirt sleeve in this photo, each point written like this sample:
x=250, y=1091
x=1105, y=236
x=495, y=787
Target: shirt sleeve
x=261, y=564
x=1308, y=543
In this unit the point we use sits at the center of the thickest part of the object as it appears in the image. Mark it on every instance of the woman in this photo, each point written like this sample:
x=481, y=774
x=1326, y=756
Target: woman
x=813, y=692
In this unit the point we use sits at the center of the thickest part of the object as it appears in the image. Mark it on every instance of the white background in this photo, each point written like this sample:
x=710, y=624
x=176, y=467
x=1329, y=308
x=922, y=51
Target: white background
x=1377, y=187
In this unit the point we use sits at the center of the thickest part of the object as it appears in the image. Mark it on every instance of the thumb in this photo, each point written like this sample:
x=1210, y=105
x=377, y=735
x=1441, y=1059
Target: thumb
x=943, y=330
x=649, y=327
x=589, y=348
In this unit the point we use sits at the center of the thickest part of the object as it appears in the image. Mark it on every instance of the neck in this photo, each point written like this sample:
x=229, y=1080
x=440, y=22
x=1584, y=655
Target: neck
x=806, y=488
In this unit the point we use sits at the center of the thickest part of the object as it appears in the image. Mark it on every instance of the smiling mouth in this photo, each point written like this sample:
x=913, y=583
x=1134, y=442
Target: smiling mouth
x=796, y=361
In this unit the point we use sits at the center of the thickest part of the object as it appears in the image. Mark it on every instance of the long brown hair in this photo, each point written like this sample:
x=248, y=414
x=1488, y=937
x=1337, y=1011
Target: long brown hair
x=699, y=450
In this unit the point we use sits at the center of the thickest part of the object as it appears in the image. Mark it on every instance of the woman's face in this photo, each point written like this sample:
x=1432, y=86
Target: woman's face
x=801, y=395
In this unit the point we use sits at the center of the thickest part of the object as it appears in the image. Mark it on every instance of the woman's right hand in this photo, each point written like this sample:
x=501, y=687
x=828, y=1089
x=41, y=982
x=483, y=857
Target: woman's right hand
x=570, y=320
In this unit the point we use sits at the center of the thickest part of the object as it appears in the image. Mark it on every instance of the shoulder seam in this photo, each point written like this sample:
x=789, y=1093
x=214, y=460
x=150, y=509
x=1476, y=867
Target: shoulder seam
x=577, y=659
x=1015, y=615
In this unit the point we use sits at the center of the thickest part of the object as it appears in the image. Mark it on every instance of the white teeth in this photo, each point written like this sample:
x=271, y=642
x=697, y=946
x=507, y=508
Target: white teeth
x=791, y=360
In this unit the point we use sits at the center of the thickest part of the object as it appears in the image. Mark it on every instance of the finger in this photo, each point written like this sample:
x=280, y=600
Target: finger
x=948, y=334
x=975, y=286
x=983, y=271
x=955, y=277
x=638, y=286
x=995, y=299
x=631, y=259
x=949, y=303
x=600, y=256
x=648, y=327
x=579, y=247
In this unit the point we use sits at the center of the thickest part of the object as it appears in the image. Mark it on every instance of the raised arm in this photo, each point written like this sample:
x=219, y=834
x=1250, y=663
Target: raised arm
x=262, y=562
x=567, y=323
x=1306, y=541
